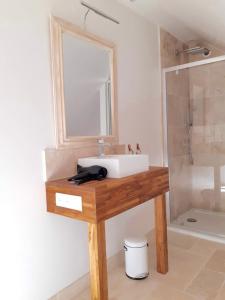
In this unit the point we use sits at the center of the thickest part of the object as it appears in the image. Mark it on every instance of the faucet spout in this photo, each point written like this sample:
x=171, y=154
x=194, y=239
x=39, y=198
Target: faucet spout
x=101, y=147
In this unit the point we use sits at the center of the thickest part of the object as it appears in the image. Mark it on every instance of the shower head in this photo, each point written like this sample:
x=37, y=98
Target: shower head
x=195, y=50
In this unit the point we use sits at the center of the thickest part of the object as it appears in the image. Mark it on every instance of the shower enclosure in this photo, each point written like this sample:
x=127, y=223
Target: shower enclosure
x=194, y=122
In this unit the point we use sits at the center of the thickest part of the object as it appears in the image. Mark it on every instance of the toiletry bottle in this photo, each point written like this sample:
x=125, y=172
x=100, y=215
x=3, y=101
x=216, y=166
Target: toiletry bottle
x=138, y=150
x=130, y=150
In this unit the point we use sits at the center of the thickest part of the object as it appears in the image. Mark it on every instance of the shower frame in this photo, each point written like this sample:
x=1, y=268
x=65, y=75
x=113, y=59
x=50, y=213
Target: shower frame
x=164, y=106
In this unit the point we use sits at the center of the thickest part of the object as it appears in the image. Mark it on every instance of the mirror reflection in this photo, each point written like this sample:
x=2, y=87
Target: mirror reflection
x=87, y=87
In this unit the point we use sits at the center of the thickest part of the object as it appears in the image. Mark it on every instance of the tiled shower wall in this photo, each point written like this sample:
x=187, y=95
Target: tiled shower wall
x=168, y=47
x=177, y=117
x=196, y=129
x=207, y=95
x=178, y=143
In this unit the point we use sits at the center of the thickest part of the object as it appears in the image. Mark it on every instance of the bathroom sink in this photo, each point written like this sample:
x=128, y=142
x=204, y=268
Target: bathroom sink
x=118, y=166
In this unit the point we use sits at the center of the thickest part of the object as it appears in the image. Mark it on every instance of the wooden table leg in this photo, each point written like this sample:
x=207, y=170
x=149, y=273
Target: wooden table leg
x=161, y=234
x=98, y=263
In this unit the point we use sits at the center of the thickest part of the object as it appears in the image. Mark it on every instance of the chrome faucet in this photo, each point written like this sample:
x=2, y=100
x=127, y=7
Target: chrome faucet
x=101, y=146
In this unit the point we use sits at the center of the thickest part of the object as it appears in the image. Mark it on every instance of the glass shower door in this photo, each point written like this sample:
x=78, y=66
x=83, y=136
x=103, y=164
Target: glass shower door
x=196, y=143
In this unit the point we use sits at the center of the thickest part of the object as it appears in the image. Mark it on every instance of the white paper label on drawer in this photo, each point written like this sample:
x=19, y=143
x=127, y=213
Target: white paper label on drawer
x=69, y=201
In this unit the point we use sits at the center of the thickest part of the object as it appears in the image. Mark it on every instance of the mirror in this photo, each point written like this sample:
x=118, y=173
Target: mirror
x=87, y=88
x=84, y=86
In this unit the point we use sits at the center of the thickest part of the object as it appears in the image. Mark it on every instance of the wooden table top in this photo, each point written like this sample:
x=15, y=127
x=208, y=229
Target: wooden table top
x=104, y=199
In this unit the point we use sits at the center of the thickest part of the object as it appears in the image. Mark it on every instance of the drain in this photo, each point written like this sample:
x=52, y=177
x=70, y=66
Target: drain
x=192, y=220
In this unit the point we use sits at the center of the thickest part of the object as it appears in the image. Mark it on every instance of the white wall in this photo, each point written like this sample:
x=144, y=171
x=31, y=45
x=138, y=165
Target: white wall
x=42, y=253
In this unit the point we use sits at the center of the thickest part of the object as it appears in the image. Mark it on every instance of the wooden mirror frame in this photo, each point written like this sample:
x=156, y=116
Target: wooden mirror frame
x=58, y=27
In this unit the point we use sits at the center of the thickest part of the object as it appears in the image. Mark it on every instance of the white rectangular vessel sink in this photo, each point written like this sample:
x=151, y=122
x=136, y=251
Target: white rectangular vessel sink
x=118, y=166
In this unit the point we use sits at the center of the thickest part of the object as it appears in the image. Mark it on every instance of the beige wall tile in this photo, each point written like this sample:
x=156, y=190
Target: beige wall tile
x=53, y=298
x=178, y=117
x=202, y=90
x=61, y=163
x=169, y=45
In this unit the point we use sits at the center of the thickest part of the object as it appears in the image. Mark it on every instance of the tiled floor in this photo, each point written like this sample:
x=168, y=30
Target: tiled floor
x=196, y=272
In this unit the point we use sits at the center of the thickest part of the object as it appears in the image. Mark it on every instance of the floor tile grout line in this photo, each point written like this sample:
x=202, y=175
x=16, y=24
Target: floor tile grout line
x=180, y=249
x=199, y=271
x=188, y=251
x=222, y=286
x=204, y=267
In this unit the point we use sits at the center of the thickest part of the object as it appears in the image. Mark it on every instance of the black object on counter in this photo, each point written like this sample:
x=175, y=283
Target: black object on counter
x=88, y=174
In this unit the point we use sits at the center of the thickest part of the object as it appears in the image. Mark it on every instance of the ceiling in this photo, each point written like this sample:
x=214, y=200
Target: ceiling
x=187, y=20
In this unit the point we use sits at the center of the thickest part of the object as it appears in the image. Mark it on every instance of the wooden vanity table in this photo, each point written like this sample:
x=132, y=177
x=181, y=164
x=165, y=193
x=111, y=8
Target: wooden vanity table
x=102, y=200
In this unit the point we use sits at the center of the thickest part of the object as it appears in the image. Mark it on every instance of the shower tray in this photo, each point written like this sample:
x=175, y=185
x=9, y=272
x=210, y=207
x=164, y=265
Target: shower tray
x=209, y=224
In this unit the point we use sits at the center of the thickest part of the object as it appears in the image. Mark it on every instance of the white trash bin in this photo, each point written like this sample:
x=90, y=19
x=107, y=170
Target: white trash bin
x=136, y=258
